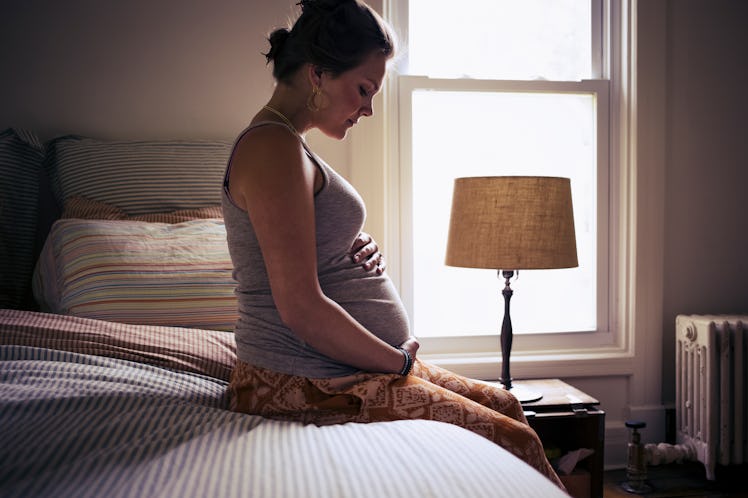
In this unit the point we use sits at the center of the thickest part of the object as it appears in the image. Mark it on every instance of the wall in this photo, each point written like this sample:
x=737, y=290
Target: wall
x=140, y=68
x=706, y=227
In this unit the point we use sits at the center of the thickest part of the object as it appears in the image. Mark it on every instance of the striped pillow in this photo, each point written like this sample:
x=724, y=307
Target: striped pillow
x=86, y=209
x=142, y=177
x=21, y=156
x=139, y=273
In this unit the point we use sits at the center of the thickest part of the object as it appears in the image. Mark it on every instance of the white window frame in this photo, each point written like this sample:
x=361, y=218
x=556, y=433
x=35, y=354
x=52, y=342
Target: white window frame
x=608, y=349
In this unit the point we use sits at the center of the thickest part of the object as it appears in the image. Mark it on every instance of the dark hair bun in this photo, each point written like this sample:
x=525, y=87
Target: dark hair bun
x=333, y=35
x=325, y=6
x=277, y=41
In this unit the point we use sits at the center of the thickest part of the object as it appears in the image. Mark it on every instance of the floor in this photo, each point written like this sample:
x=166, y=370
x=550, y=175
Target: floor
x=683, y=480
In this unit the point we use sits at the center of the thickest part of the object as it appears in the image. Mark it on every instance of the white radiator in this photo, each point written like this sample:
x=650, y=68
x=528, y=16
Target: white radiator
x=711, y=385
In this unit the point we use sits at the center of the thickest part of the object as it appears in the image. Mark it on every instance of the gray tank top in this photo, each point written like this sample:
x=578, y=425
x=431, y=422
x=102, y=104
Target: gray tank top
x=262, y=339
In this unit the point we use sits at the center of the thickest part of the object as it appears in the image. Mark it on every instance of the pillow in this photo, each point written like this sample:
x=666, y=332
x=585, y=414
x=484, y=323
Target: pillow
x=82, y=208
x=21, y=157
x=86, y=209
x=138, y=272
x=141, y=177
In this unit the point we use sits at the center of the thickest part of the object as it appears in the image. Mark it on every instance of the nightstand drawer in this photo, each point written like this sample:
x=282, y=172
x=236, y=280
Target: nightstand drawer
x=570, y=419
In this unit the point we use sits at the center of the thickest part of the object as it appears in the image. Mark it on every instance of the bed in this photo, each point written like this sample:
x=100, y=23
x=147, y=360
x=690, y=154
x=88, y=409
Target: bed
x=116, y=346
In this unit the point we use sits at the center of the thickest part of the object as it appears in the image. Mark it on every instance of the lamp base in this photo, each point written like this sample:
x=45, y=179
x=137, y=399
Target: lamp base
x=522, y=393
x=638, y=488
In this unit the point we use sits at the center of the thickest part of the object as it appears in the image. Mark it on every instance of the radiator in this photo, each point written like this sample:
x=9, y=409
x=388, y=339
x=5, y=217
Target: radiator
x=711, y=385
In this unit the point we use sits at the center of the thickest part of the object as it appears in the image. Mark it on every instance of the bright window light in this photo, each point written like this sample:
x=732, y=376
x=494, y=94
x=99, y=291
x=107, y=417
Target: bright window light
x=500, y=133
x=500, y=39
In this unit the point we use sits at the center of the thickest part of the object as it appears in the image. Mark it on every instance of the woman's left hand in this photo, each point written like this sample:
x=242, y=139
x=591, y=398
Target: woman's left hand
x=365, y=251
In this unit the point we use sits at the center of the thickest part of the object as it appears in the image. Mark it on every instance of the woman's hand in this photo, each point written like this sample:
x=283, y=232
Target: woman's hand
x=365, y=251
x=411, y=346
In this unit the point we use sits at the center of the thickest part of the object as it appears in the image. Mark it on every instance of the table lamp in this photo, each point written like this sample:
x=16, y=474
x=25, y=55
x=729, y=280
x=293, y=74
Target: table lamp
x=512, y=223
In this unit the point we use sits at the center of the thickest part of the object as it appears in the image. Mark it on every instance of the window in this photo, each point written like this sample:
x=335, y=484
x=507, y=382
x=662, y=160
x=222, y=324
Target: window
x=503, y=87
x=461, y=129
x=501, y=39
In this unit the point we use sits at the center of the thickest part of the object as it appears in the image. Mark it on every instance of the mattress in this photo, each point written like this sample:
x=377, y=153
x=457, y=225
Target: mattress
x=96, y=408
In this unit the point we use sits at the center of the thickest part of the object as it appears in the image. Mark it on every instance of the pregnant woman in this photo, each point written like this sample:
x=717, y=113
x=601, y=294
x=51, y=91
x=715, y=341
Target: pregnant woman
x=322, y=337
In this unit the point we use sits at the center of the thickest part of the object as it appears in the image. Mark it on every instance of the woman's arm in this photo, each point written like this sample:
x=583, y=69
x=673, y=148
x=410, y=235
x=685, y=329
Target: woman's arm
x=274, y=180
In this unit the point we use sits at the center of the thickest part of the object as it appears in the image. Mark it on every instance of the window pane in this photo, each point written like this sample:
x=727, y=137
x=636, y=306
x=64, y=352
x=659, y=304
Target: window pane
x=490, y=134
x=500, y=39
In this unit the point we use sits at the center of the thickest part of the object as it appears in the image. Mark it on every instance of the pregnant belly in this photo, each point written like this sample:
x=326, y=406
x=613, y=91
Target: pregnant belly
x=375, y=304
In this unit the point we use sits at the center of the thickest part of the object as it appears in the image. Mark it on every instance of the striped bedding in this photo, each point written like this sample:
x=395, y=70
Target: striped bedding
x=139, y=272
x=207, y=352
x=94, y=408
x=141, y=177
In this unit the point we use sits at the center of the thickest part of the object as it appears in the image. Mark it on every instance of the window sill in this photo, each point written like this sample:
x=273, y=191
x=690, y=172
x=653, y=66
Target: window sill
x=487, y=366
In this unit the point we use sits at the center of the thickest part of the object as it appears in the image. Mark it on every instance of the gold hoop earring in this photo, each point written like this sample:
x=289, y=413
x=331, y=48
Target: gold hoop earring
x=311, y=102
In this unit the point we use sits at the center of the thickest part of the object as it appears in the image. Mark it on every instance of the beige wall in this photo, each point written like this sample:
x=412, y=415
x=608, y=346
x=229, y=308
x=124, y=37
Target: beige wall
x=706, y=177
x=140, y=68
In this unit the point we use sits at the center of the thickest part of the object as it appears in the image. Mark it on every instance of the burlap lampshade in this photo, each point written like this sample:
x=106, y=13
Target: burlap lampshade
x=512, y=223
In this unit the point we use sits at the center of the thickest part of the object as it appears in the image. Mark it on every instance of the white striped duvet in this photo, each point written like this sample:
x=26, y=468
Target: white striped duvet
x=82, y=425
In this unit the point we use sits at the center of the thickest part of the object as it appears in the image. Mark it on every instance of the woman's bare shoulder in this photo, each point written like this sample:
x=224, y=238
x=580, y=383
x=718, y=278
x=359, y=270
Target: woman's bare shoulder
x=268, y=147
x=268, y=157
x=268, y=138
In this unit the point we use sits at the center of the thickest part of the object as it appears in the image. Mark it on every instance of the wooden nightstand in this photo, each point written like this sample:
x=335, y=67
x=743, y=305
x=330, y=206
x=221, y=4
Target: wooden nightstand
x=569, y=419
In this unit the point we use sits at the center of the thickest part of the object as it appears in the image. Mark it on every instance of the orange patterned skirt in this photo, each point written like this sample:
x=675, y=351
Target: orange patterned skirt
x=429, y=392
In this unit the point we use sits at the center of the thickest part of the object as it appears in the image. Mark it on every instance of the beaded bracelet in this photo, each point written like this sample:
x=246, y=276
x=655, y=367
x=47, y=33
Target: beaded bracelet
x=408, y=366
